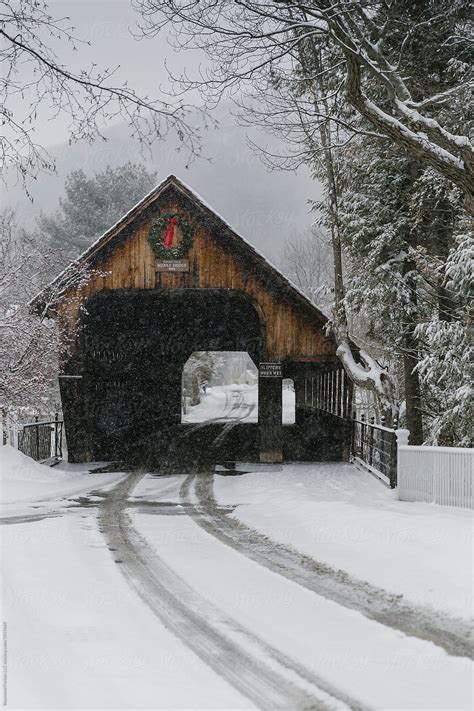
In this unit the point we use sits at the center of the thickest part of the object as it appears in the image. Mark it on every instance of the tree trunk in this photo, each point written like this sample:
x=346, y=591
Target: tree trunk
x=366, y=373
x=412, y=391
x=195, y=391
x=414, y=414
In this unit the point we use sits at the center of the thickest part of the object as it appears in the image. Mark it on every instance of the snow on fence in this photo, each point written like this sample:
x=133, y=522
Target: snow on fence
x=441, y=475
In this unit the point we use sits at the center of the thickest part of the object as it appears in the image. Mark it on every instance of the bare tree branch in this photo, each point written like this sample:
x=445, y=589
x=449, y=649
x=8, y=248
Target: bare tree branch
x=88, y=98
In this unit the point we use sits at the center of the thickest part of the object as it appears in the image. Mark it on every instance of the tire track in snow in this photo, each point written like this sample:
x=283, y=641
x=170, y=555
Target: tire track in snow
x=28, y=518
x=453, y=635
x=257, y=670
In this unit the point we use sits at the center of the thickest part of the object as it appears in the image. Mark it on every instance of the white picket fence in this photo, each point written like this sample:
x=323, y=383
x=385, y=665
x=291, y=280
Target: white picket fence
x=441, y=475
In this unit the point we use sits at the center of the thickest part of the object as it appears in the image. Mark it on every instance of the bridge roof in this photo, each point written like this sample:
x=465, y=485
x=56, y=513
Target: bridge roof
x=172, y=187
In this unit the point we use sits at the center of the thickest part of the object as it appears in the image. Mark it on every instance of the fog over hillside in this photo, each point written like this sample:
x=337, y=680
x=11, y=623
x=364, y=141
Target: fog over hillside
x=266, y=207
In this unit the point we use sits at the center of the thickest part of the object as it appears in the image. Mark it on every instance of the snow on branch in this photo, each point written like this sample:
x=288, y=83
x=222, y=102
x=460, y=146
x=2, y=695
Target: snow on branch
x=368, y=374
x=368, y=46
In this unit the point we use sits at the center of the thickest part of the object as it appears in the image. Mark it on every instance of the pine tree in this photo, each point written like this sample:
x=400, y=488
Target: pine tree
x=399, y=220
x=93, y=204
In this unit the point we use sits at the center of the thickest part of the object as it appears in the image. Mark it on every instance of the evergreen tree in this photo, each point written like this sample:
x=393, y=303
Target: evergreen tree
x=400, y=221
x=197, y=374
x=93, y=204
x=446, y=367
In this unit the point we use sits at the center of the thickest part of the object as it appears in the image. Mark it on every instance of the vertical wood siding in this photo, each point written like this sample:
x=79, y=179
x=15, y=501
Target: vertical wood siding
x=289, y=330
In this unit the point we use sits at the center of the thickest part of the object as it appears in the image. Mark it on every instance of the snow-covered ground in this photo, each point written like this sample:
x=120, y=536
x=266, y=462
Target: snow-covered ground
x=228, y=402
x=24, y=480
x=93, y=582
x=374, y=665
x=344, y=517
x=77, y=636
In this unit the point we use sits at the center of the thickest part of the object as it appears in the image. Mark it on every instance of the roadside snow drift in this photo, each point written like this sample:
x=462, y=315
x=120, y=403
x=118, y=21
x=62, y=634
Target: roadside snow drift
x=23, y=480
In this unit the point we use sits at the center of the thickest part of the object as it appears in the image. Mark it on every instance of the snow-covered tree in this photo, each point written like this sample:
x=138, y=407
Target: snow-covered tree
x=36, y=84
x=200, y=367
x=94, y=203
x=306, y=261
x=399, y=220
x=382, y=281
x=399, y=223
x=28, y=341
x=376, y=42
x=28, y=346
x=446, y=365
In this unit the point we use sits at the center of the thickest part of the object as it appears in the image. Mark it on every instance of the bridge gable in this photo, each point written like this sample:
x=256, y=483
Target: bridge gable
x=218, y=258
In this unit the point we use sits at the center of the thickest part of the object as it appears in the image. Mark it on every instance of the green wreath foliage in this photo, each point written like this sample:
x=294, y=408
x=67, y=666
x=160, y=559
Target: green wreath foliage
x=157, y=235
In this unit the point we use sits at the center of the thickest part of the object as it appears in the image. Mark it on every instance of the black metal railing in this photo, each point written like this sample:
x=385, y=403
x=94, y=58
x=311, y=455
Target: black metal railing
x=42, y=440
x=376, y=446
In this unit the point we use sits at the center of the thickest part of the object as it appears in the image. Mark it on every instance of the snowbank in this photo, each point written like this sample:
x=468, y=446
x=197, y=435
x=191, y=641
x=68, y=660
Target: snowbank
x=24, y=480
x=16, y=466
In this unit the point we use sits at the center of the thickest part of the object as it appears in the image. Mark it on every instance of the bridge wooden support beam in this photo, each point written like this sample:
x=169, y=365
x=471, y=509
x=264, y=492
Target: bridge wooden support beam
x=270, y=407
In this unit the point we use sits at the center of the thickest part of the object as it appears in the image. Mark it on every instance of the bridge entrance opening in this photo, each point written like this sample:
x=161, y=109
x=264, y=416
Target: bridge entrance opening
x=219, y=386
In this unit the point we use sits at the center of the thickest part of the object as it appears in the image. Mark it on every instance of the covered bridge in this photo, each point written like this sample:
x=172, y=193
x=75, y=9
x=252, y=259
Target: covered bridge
x=171, y=278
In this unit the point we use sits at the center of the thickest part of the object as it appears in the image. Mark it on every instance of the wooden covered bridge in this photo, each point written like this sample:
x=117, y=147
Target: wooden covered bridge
x=169, y=279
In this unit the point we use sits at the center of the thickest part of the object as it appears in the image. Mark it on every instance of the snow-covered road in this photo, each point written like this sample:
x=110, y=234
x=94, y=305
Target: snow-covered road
x=263, y=673
x=344, y=518
x=147, y=593
x=453, y=635
x=228, y=403
x=77, y=635
x=379, y=667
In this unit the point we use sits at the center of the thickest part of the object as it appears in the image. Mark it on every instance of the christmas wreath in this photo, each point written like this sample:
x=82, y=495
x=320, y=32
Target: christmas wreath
x=162, y=234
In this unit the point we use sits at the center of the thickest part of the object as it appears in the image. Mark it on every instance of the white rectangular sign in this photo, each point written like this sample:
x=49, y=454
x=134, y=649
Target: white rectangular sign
x=172, y=265
x=270, y=370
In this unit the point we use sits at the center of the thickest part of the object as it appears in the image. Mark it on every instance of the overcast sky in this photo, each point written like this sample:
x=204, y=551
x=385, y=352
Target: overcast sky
x=107, y=25
x=267, y=208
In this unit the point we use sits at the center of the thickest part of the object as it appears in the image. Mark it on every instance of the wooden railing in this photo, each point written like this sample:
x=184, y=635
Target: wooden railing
x=375, y=446
x=329, y=391
x=41, y=440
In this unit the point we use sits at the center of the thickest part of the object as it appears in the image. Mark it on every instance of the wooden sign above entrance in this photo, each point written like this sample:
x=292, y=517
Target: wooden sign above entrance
x=270, y=370
x=172, y=265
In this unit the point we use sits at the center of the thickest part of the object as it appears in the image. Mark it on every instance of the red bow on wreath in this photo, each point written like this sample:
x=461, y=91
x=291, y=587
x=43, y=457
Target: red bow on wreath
x=169, y=236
